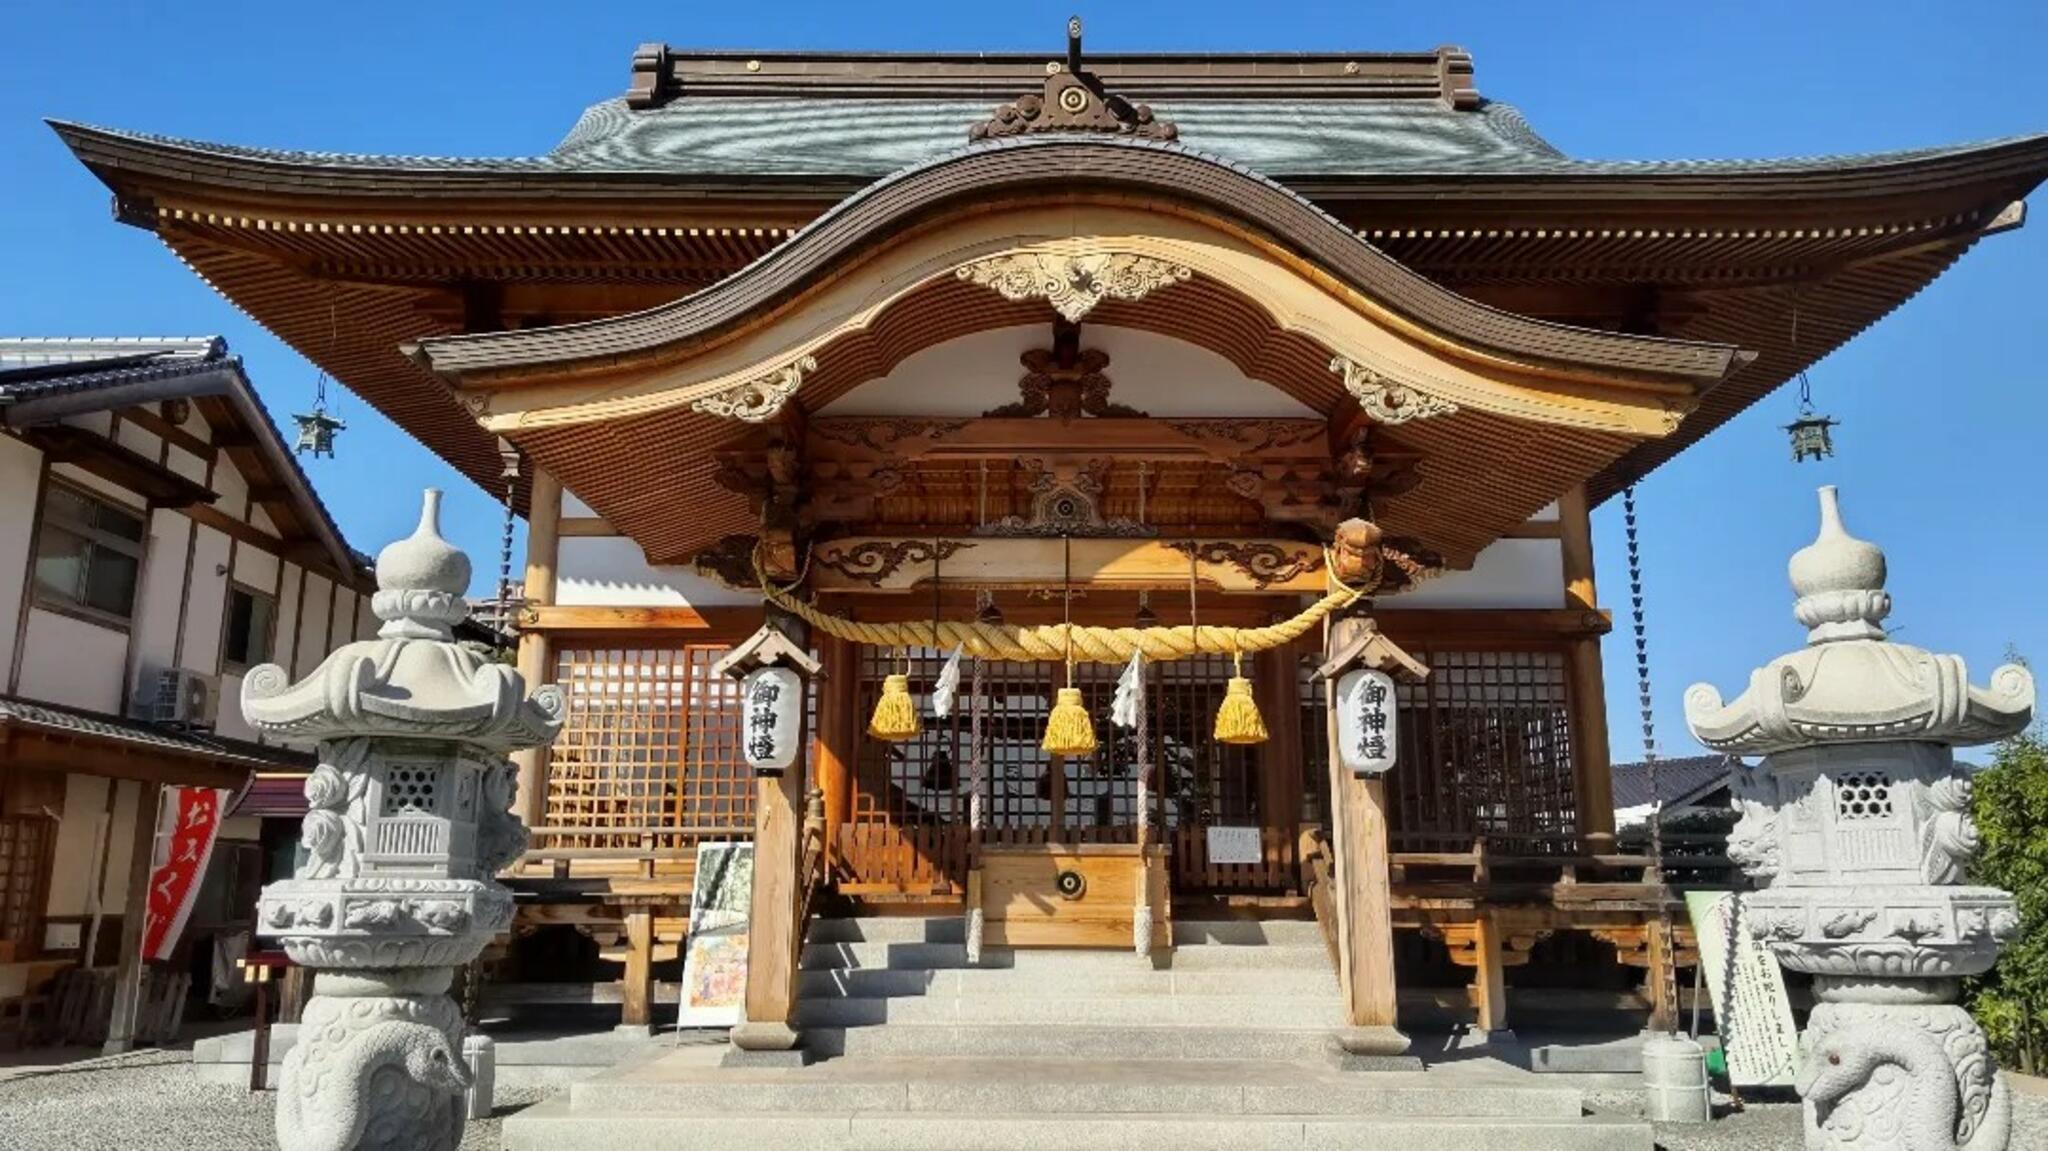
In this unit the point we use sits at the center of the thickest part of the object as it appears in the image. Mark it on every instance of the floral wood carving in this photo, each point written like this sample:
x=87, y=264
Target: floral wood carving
x=758, y=401
x=881, y=433
x=1388, y=401
x=1254, y=436
x=1073, y=100
x=1073, y=283
x=1064, y=381
x=873, y=561
x=1264, y=564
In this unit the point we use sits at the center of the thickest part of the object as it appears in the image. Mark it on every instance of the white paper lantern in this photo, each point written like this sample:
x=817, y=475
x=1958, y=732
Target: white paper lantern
x=771, y=706
x=1366, y=730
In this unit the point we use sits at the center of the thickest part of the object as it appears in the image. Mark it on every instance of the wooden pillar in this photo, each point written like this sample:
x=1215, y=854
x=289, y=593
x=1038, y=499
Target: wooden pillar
x=1282, y=785
x=1489, y=976
x=1365, y=926
x=775, y=928
x=543, y=549
x=838, y=737
x=636, y=1010
x=135, y=910
x=1661, y=983
x=1592, y=765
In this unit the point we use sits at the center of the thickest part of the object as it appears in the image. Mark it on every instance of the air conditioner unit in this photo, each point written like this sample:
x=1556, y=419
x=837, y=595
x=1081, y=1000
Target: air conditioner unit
x=184, y=698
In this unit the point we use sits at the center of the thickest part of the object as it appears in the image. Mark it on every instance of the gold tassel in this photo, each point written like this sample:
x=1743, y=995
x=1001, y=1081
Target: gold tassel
x=1238, y=720
x=1068, y=730
x=895, y=717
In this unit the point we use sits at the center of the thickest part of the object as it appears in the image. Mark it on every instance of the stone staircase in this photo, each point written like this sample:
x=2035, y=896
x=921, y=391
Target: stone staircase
x=1225, y=1042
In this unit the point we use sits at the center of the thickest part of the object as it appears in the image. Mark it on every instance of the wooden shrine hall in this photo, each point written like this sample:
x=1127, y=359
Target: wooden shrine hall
x=1269, y=368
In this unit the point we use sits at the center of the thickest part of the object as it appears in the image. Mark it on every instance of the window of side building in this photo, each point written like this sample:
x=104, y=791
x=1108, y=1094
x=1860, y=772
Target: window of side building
x=252, y=617
x=88, y=554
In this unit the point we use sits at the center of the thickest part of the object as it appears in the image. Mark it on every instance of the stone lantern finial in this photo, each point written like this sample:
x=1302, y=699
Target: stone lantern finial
x=1840, y=581
x=421, y=579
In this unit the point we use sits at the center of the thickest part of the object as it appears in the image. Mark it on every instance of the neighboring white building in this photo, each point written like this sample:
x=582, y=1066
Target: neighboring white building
x=157, y=540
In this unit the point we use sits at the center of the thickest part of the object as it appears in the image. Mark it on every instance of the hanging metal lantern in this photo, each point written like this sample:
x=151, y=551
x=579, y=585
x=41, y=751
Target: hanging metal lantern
x=316, y=432
x=1810, y=437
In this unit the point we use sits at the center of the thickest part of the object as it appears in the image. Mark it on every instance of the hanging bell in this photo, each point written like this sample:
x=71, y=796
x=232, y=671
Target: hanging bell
x=895, y=718
x=939, y=772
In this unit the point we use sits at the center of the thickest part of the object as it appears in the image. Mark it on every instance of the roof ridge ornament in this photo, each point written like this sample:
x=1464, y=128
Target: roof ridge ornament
x=1074, y=100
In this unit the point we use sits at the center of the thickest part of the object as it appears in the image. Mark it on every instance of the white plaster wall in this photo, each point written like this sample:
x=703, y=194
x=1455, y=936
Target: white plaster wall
x=79, y=477
x=1547, y=515
x=21, y=468
x=137, y=438
x=99, y=423
x=571, y=506
x=186, y=464
x=1155, y=374
x=233, y=489
x=206, y=601
x=1513, y=573
x=227, y=719
x=313, y=629
x=73, y=866
x=284, y=652
x=70, y=661
x=261, y=521
x=163, y=590
x=341, y=628
x=612, y=571
x=256, y=568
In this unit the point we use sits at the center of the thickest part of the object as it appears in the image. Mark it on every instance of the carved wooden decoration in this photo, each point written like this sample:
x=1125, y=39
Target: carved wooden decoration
x=1064, y=504
x=1073, y=101
x=1064, y=381
x=872, y=561
x=1263, y=562
x=759, y=400
x=1073, y=282
x=1388, y=401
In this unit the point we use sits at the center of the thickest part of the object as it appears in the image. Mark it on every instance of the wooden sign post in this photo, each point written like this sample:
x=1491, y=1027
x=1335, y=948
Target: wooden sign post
x=774, y=733
x=1365, y=928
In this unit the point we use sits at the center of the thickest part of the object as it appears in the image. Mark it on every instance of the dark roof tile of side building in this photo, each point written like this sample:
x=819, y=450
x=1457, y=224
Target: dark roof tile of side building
x=45, y=378
x=1681, y=780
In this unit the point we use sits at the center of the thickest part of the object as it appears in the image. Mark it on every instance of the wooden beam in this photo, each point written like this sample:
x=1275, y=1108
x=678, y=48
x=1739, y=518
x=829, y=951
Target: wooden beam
x=719, y=621
x=1543, y=625
x=1280, y=757
x=543, y=514
x=304, y=553
x=134, y=914
x=580, y=526
x=148, y=420
x=870, y=564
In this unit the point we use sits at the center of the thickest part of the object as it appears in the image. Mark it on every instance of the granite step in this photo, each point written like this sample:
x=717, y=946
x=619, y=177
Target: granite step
x=929, y=956
x=952, y=929
x=881, y=982
x=1241, y=1010
x=1194, y=1041
x=555, y=1126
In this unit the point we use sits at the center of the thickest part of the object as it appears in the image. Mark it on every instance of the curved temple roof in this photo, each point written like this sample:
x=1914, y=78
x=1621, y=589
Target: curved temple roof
x=1051, y=166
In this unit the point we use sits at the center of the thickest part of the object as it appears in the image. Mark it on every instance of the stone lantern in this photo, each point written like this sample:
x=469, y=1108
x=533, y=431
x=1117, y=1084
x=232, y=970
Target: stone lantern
x=1859, y=822
x=408, y=822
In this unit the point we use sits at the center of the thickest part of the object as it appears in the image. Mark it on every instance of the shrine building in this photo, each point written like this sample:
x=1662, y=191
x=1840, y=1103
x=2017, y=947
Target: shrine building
x=1272, y=368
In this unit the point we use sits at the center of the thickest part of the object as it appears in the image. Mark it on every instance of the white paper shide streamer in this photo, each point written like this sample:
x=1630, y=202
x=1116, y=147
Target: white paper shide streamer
x=1130, y=692
x=948, y=685
x=1127, y=709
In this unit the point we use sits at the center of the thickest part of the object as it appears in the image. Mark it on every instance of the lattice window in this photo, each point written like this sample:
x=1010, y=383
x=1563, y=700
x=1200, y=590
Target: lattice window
x=25, y=846
x=652, y=740
x=1863, y=795
x=1485, y=750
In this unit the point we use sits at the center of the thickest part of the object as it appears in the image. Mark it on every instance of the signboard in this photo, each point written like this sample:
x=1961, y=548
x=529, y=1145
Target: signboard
x=1365, y=721
x=1234, y=845
x=715, y=954
x=1748, y=991
x=188, y=818
x=773, y=699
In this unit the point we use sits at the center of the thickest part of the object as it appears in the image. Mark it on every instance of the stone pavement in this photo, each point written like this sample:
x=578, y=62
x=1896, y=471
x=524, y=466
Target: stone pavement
x=150, y=1101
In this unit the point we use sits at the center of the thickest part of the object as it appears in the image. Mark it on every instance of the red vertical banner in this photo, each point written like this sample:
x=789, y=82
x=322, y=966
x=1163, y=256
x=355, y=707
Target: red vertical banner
x=188, y=822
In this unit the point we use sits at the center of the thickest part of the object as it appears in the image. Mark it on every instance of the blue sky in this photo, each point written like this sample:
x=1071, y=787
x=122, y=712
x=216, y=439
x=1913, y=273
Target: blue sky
x=1942, y=404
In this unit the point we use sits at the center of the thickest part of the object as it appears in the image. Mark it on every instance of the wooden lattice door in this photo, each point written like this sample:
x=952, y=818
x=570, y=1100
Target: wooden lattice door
x=26, y=843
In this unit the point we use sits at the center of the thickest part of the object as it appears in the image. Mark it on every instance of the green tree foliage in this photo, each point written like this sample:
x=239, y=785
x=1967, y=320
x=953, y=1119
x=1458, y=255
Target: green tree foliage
x=2011, y=806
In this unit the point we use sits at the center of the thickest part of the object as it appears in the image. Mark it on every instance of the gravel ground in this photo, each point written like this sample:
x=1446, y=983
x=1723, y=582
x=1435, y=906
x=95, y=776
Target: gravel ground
x=1775, y=1126
x=149, y=1101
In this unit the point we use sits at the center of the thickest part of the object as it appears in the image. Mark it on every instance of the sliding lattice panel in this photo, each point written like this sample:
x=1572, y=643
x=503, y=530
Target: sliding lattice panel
x=26, y=842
